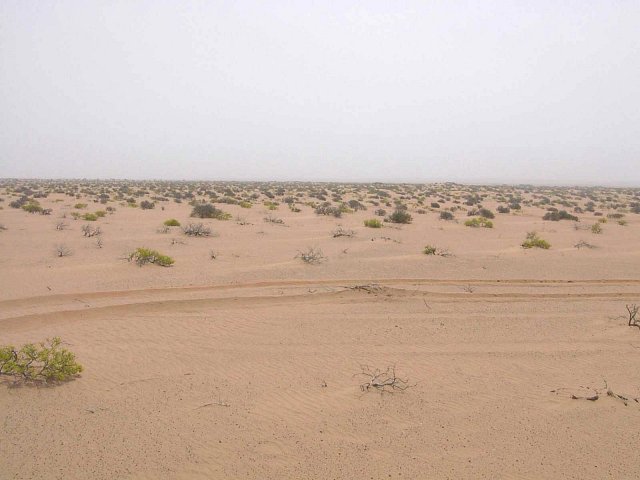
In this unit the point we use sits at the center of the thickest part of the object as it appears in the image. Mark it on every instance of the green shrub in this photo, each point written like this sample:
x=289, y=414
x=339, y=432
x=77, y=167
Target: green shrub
x=533, y=241
x=32, y=207
x=400, y=216
x=142, y=256
x=596, y=228
x=444, y=215
x=373, y=223
x=245, y=204
x=486, y=213
x=80, y=206
x=90, y=217
x=43, y=362
x=101, y=213
x=479, y=222
x=207, y=210
x=555, y=216
x=430, y=250
x=172, y=222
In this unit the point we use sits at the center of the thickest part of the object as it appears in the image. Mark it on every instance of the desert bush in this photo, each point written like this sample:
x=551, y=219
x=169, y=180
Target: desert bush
x=90, y=217
x=355, y=205
x=89, y=231
x=142, y=256
x=327, y=209
x=596, y=228
x=435, y=205
x=172, y=222
x=380, y=212
x=622, y=222
x=533, y=241
x=373, y=223
x=556, y=216
x=503, y=209
x=101, y=213
x=207, y=210
x=42, y=362
x=32, y=207
x=311, y=255
x=340, y=231
x=271, y=219
x=245, y=204
x=80, y=206
x=479, y=222
x=400, y=216
x=432, y=250
x=486, y=213
x=20, y=202
x=444, y=215
x=196, y=230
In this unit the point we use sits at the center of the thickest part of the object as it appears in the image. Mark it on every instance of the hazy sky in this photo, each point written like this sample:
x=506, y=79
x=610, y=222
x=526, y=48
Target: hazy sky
x=485, y=91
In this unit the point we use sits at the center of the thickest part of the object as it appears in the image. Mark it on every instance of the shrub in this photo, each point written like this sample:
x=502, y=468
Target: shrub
x=381, y=212
x=196, y=230
x=430, y=250
x=101, y=213
x=596, y=228
x=147, y=205
x=90, y=217
x=142, y=256
x=435, y=205
x=80, y=206
x=172, y=222
x=503, y=209
x=486, y=213
x=533, y=241
x=327, y=209
x=245, y=204
x=400, y=216
x=444, y=215
x=43, y=362
x=207, y=210
x=479, y=222
x=555, y=216
x=373, y=223
x=311, y=256
x=32, y=207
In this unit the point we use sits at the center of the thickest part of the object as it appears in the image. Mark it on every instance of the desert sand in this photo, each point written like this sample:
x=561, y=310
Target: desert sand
x=241, y=360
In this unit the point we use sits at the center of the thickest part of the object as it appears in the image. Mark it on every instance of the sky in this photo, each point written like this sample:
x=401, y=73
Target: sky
x=471, y=91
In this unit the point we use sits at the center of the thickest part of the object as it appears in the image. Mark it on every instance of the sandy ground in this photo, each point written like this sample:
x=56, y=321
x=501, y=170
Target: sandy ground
x=244, y=366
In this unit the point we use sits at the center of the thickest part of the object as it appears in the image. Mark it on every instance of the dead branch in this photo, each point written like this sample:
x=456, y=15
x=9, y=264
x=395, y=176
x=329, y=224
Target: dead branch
x=633, y=314
x=382, y=381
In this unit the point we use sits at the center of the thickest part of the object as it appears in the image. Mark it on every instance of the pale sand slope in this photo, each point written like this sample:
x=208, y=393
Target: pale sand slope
x=256, y=334
x=484, y=364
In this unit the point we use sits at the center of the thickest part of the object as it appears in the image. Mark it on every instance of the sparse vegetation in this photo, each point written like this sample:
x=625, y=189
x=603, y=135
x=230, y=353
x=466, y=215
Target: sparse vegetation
x=478, y=222
x=533, y=241
x=43, y=362
x=141, y=256
x=400, y=216
x=196, y=230
x=311, y=255
x=172, y=222
x=373, y=223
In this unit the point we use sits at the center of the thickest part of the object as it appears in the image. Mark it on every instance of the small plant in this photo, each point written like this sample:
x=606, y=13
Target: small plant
x=439, y=252
x=101, y=213
x=596, y=228
x=533, y=241
x=271, y=219
x=62, y=250
x=622, y=223
x=42, y=362
x=444, y=215
x=583, y=244
x=80, y=206
x=311, y=256
x=147, y=205
x=343, y=232
x=142, y=256
x=89, y=231
x=172, y=222
x=382, y=381
x=61, y=225
x=90, y=217
x=373, y=223
x=196, y=230
x=478, y=222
